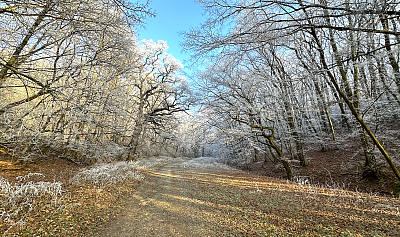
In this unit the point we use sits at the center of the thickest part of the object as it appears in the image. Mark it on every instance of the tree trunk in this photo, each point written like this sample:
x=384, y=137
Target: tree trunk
x=353, y=110
x=281, y=158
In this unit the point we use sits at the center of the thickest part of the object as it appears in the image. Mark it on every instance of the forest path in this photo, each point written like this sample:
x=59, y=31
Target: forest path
x=180, y=200
x=163, y=206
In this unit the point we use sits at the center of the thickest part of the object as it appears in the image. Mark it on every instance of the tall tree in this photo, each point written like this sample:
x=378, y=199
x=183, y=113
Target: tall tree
x=333, y=32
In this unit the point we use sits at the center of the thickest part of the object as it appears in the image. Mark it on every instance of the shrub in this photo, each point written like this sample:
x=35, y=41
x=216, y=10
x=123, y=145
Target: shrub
x=19, y=199
x=148, y=163
x=107, y=173
x=206, y=162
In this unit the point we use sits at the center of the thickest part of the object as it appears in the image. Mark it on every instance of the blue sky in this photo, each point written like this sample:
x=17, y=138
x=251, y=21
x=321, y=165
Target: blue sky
x=172, y=17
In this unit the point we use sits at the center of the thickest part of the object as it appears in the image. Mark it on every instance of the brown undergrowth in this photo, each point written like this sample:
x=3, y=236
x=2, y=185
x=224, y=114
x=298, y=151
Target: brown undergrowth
x=77, y=209
x=339, y=166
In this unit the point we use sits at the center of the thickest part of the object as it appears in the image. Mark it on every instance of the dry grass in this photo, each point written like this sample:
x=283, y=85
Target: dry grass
x=245, y=205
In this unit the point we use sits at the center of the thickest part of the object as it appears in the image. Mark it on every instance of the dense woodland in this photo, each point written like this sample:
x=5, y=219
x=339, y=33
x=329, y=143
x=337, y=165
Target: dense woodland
x=274, y=77
x=285, y=74
x=75, y=81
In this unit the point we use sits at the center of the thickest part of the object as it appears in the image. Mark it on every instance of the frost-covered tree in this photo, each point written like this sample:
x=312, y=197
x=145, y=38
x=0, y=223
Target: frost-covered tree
x=56, y=59
x=156, y=91
x=74, y=79
x=342, y=53
x=251, y=101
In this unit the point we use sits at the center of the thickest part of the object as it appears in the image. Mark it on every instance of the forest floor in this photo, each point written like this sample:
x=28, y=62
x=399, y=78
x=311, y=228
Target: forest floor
x=339, y=166
x=182, y=197
x=179, y=197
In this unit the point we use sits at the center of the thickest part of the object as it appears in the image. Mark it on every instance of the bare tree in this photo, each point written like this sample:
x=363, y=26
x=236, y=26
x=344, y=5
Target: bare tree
x=334, y=34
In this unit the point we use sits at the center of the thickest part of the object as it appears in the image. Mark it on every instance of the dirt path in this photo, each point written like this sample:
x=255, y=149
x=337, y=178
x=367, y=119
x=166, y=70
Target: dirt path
x=162, y=207
x=179, y=201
